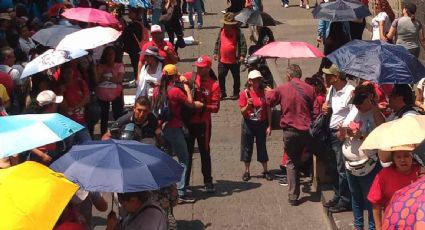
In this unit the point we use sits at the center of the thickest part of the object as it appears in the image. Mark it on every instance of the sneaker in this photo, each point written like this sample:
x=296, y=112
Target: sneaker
x=246, y=176
x=339, y=208
x=283, y=181
x=186, y=199
x=268, y=176
x=199, y=26
x=209, y=188
x=307, y=7
x=301, y=5
x=286, y=5
x=234, y=97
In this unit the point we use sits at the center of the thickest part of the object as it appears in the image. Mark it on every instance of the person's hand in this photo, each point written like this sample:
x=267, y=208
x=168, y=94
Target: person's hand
x=198, y=104
x=383, y=38
x=341, y=134
x=183, y=79
x=111, y=221
x=166, y=48
x=325, y=108
x=241, y=59
x=268, y=89
x=215, y=57
x=269, y=131
x=46, y=158
x=250, y=101
x=319, y=40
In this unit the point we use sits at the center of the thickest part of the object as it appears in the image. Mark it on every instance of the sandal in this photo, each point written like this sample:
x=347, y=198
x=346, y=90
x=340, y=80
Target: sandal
x=246, y=176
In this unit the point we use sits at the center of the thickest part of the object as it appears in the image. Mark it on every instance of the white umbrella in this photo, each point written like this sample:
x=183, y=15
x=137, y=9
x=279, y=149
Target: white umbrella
x=53, y=35
x=49, y=59
x=89, y=38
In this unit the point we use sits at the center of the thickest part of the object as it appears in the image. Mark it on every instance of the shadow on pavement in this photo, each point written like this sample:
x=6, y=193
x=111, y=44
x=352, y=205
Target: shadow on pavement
x=224, y=188
x=191, y=225
x=313, y=196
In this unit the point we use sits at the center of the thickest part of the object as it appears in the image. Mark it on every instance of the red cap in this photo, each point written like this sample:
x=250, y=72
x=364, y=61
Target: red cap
x=203, y=61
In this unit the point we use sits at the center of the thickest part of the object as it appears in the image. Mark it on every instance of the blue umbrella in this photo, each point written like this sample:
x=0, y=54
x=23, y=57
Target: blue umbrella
x=134, y=3
x=379, y=62
x=24, y=132
x=118, y=166
x=341, y=10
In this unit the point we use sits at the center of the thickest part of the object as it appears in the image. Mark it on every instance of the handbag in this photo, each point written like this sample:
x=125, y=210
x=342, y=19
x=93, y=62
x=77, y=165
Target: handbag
x=319, y=128
x=276, y=115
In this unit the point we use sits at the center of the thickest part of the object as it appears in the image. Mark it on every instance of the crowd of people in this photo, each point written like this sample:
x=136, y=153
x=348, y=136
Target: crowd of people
x=173, y=110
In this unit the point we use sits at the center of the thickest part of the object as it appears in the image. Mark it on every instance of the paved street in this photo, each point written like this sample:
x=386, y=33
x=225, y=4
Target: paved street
x=257, y=204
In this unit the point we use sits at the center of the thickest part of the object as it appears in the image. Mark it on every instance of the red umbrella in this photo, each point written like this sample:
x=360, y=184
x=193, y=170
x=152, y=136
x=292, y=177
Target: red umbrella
x=407, y=208
x=90, y=15
x=289, y=50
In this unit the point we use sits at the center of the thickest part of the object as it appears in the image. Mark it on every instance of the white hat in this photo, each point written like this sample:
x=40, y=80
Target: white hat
x=156, y=28
x=48, y=97
x=254, y=74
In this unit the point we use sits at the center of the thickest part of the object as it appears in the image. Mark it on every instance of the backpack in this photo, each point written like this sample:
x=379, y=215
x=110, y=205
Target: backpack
x=163, y=111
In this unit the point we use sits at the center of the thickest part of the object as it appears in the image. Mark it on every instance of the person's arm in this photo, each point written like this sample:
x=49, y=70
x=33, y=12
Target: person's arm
x=118, y=77
x=272, y=97
x=217, y=46
x=214, y=105
x=171, y=54
x=99, y=202
x=378, y=117
x=46, y=158
x=269, y=120
x=382, y=34
x=421, y=37
x=243, y=47
x=321, y=30
x=377, y=216
x=106, y=136
x=245, y=104
x=393, y=30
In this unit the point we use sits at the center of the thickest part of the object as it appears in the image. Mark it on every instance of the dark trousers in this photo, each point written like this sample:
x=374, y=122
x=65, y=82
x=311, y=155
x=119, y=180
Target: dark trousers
x=253, y=130
x=134, y=58
x=184, y=7
x=223, y=70
x=342, y=191
x=295, y=141
x=356, y=29
x=175, y=28
x=202, y=134
x=117, y=110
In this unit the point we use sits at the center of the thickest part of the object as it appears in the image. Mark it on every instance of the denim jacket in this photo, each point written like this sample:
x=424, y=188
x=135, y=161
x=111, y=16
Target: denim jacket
x=324, y=27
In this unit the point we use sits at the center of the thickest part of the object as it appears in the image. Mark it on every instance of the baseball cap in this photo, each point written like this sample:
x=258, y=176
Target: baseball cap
x=48, y=97
x=155, y=29
x=254, y=74
x=333, y=69
x=170, y=70
x=203, y=61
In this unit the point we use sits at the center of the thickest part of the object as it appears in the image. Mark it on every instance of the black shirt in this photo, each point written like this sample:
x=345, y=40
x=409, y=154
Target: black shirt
x=140, y=131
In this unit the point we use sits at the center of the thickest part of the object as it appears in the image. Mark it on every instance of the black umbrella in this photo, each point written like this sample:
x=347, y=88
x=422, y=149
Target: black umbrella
x=254, y=17
x=341, y=10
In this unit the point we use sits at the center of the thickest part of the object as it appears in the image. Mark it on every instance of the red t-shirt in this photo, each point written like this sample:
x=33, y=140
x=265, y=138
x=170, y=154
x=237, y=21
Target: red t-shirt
x=259, y=110
x=387, y=182
x=176, y=97
x=162, y=52
x=207, y=92
x=73, y=94
x=228, y=46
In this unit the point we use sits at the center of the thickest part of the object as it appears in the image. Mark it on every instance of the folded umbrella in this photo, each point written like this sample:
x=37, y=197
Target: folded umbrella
x=255, y=17
x=32, y=196
x=407, y=208
x=24, y=132
x=89, y=38
x=53, y=35
x=408, y=130
x=289, y=50
x=118, y=166
x=378, y=61
x=341, y=10
x=90, y=15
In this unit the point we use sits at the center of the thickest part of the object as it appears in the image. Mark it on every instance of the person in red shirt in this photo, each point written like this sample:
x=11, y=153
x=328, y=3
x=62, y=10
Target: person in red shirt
x=256, y=124
x=400, y=174
x=166, y=49
x=207, y=91
x=230, y=50
x=172, y=95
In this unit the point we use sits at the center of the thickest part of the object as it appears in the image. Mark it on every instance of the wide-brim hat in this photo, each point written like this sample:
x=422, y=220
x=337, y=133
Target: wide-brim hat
x=385, y=155
x=153, y=51
x=229, y=19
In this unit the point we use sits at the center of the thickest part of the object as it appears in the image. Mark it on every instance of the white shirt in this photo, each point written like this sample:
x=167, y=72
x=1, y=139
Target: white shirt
x=340, y=104
x=145, y=78
x=26, y=45
x=421, y=86
x=13, y=73
x=375, y=25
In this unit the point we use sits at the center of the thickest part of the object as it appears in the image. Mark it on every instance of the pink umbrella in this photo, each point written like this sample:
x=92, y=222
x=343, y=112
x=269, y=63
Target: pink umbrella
x=90, y=15
x=289, y=50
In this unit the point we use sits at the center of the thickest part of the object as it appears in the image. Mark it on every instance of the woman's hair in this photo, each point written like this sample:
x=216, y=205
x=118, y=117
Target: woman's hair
x=410, y=10
x=103, y=58
x=163, y=90
x=317, y=82
x=385, y=7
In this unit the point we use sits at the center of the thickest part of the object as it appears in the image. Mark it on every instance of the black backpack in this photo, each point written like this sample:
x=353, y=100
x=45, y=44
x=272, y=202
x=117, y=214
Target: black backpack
x=163, y=111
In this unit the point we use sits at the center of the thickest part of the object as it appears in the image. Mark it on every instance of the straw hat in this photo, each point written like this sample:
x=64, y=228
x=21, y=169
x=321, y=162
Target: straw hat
x=229, y=19
x=385, y=155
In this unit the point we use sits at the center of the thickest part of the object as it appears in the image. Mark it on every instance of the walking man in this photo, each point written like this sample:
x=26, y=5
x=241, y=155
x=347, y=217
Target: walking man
x=296, y=99
x=230, y=50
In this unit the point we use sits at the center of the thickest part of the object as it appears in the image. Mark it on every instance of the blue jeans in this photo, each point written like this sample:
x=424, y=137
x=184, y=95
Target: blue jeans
x=359, y=187
x=156, y=14
x=342, y=191
x=175, y=137
x=197, y=6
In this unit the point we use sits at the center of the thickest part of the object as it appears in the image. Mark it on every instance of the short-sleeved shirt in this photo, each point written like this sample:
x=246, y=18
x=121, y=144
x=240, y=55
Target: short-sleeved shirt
x=340, y=104
x=258, y=112
x=141, y=131
x=382, y=16
x=176, y=99
x=407, y=32
x=162, y=52
x=387, y=182
x=228, y=46
x=152, y=218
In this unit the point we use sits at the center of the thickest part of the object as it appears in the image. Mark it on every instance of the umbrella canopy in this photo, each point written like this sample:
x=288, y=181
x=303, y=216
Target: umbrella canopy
x=408, y=130
x=292, y=50
x=255, y=17
x=134, y=3
x=53, y=35
x=49, y=59
x=89, y=38
x=118, y=166
x=90, y=15
x=32, y=196
x=379, y=62
x=407, y=208
x=24, y=132
x=341, y=10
